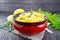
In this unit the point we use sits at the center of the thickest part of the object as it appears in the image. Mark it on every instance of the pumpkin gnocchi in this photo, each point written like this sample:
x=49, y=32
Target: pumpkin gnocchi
x=30, y=17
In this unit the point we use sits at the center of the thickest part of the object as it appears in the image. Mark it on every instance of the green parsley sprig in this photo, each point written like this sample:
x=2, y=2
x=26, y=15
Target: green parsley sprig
x=54, y=19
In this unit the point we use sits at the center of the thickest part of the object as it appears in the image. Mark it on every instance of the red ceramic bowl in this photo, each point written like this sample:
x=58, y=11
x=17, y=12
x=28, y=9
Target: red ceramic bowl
x=29, y=28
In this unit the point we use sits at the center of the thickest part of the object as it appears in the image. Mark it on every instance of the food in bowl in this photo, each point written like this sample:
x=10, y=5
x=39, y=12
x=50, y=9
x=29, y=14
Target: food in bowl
x=30, y=17
x=30, y=22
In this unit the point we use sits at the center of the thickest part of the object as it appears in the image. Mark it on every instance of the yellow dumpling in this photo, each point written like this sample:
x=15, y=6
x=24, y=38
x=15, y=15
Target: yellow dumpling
x=30, y=17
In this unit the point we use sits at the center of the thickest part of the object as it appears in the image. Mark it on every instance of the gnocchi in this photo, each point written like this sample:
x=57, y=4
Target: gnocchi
x=30, y=17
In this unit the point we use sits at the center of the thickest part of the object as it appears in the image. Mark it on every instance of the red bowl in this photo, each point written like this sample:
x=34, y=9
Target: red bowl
x=29, y=28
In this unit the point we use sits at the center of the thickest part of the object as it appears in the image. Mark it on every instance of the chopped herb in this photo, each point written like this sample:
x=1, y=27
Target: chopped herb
x=7, y=26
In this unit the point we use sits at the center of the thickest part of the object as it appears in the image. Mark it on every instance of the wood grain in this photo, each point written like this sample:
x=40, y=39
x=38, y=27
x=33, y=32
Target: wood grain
x=5, y=35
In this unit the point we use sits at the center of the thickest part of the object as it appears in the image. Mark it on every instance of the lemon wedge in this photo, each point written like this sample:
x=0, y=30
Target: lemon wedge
x=17, y=11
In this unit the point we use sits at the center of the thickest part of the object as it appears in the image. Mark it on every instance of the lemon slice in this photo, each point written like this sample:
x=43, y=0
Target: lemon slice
x=17, y=11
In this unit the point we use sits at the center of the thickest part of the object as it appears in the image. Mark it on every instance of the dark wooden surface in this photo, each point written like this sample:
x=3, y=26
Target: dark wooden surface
x=5, y=35
x=47, y=5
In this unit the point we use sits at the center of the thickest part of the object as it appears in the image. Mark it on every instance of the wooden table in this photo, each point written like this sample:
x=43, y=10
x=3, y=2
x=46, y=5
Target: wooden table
x=5, y=35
